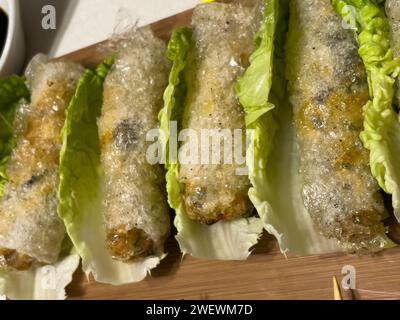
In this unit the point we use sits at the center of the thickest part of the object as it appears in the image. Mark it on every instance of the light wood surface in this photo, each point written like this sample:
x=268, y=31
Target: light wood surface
x=267, y=274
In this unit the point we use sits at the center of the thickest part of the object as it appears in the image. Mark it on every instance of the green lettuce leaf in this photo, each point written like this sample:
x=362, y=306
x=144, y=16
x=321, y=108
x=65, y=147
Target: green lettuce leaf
x=12, y=90
x=381, y=134
x=254, y=86
x=46, y=282
x=272, y=155
x=80, y=185
x=224, y=240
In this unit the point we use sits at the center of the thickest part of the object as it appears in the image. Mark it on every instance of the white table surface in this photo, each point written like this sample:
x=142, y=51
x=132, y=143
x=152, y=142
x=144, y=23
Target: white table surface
x=80, y=23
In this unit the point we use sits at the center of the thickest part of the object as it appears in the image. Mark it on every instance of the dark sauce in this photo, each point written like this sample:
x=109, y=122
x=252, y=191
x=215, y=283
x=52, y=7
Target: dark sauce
x=3, y=29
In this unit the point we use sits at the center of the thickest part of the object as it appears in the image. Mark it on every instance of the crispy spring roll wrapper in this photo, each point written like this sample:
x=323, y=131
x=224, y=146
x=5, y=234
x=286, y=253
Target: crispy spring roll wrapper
x=393, y=13
x=223, y=36
x=135, y=202
x=30, y=230
x=328, y=88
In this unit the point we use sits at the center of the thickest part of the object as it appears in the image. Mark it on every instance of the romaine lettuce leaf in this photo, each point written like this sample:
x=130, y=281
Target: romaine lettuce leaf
x=224, y=240
x=381, y=134
x=254, y=86
x=80, y=189
x=12, y=90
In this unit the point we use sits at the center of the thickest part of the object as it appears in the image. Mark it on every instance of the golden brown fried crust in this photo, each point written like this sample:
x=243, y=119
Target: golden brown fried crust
x=13, y=259
x=129, y=245
x=195, y=196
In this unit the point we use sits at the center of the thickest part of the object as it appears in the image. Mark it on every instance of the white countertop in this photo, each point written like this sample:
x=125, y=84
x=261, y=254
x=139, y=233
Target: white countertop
x=80, y=23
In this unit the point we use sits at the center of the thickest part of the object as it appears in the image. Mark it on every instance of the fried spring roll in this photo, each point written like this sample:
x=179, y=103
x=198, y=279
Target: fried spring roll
x=393, y=13
x=328, y=88
x=223, y=36
x=30, y=229
x=136, y=209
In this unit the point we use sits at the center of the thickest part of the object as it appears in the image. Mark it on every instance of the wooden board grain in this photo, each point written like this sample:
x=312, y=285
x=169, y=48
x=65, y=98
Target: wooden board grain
x=267, y=274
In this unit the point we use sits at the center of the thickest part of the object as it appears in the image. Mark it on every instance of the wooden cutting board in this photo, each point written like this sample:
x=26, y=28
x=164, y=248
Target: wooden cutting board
x=267, y=274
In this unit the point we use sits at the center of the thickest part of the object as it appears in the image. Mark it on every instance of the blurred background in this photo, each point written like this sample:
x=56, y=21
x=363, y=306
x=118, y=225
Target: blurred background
x=80, y=23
